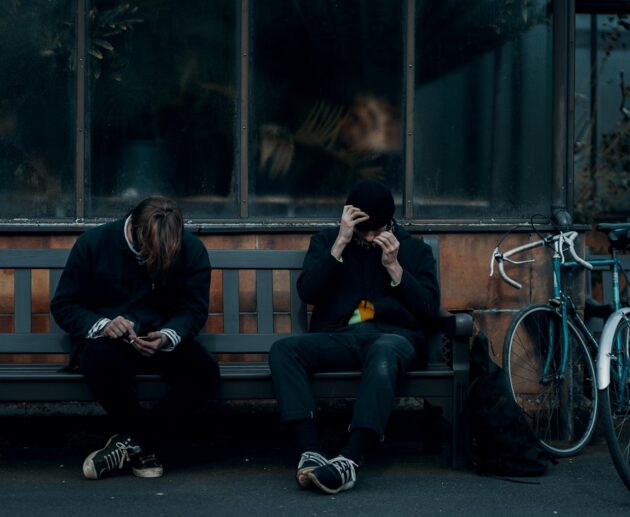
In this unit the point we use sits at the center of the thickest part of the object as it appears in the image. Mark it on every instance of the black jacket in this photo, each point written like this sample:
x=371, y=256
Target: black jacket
x=335, y=289
x=103, y=278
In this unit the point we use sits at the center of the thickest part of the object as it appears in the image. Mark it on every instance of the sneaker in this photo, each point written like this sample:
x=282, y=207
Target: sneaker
x=112, y=458
x=338, y=475
x=309, y=461
x=146, y=466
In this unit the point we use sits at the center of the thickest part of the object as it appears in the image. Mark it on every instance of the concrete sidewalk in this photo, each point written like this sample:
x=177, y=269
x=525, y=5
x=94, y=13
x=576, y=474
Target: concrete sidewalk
x=250, y=474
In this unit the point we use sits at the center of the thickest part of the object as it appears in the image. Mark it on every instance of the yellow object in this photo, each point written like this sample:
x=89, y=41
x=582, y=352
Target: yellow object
x=364, y=312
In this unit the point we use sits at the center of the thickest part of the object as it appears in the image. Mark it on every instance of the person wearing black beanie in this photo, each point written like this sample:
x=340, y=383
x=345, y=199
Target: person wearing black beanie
x=374, y=293
x=375, y=199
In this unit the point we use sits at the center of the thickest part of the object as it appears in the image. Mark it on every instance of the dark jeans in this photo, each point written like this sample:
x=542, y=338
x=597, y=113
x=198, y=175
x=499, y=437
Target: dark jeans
x=382, y=358
x=110, y=367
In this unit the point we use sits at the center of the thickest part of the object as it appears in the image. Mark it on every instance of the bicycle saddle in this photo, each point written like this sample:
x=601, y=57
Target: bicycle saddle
x=618, y=234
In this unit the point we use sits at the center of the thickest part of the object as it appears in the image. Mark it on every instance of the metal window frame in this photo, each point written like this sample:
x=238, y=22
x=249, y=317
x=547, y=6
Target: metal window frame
x=562, y=115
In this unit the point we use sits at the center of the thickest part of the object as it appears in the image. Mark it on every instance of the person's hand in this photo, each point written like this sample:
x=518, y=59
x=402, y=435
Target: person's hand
x=389, y=245
x=117, y=328
x=149, y=344
x=350, y=218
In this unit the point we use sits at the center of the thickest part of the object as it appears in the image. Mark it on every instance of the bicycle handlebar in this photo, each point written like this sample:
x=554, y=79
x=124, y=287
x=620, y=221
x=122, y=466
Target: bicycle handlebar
x=559, y=240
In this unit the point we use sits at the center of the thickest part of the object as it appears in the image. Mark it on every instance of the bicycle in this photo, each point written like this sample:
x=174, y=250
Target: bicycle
x=613, y=361
x=546, y=352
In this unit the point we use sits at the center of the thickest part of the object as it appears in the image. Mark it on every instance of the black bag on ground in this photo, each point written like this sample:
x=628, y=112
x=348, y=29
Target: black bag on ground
x=499, y=441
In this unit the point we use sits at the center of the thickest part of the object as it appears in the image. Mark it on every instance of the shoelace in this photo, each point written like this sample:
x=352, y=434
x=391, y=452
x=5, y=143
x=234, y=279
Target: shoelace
x=345, y=467
x=312, y=456
x=117, y=458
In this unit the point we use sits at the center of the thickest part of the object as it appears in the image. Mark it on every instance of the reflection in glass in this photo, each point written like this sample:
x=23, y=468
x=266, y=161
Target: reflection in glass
x=163, y=99
x=326, y=103
x=602, y=118
x=482, y=118
x=36, y=109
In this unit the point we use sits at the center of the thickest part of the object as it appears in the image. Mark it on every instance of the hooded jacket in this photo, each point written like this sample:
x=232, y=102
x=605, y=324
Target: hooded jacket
x=335, y=288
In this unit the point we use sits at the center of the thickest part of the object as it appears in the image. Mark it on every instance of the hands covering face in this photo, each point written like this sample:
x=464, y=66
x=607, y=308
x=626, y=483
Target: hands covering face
x=350, y=218
x=390, y=246
x=385, y=239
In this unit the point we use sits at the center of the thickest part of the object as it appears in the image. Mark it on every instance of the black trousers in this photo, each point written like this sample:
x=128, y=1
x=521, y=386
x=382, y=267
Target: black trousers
x=110, y=368
x=382, y=358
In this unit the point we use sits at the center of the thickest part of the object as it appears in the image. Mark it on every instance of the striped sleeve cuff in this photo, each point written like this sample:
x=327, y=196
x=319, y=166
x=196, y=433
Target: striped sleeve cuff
x=173, y=337
x=340, y=259
x=97, y=327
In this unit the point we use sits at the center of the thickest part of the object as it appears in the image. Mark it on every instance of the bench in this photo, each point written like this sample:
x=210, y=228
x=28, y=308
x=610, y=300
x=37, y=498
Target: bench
x=245, y=374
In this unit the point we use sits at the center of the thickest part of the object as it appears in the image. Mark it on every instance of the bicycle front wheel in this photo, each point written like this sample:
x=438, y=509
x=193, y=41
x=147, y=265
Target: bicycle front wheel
x=556, y=391
x=616, y=401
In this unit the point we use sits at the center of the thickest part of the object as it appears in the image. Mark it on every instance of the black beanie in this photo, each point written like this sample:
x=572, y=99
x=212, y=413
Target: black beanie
x=376, y=200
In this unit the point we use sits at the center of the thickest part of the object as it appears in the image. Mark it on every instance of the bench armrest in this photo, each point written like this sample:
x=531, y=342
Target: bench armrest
x=459, y=325
x=459, y=328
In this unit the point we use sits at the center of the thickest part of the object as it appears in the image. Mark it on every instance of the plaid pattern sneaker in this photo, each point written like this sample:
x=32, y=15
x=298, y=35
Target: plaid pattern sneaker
x=338, y=475
x=309, y=461
x=146, y=466
x=111, y=459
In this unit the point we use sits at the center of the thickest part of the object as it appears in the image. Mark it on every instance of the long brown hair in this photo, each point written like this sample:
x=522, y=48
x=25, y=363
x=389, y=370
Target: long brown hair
x=156, y=228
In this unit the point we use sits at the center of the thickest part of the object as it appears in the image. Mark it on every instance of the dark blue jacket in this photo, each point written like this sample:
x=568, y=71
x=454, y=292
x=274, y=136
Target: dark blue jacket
x=103, y=278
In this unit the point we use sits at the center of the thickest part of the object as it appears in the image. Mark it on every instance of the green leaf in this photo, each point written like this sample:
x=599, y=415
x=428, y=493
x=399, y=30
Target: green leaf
x=103, y=43
x=96, y=53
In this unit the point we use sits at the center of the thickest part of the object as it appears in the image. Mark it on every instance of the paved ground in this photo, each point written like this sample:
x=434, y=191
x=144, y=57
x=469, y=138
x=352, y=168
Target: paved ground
x=40, y=474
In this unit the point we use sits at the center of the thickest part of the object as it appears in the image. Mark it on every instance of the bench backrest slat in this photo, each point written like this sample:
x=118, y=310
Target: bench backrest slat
x=264, y=300
x=53, y=281
x=22, y=300
x=231, y=308
x=28, y=343
x=256, y=259
x=33, y=258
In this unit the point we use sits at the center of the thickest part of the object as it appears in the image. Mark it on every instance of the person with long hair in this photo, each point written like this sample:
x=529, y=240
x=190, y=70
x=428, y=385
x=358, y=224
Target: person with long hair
x=133, y=296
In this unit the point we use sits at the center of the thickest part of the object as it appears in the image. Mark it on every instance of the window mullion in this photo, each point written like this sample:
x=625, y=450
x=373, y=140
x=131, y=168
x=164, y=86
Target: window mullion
x=80, y=112
x=243, y=122
x=409, y=98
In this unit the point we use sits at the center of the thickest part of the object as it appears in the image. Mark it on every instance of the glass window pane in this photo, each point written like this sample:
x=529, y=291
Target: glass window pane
x=37, y=63
x=163, y=97
x=602, y=118
x=326, y=87
x=482, y=114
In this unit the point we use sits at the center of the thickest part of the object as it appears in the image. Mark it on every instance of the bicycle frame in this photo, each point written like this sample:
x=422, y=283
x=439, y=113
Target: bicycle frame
x=605, y=348
x=567, y=311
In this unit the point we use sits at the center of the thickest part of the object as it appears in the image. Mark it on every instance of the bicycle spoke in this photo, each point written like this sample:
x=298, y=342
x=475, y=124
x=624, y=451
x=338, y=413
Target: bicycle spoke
x=560, y=405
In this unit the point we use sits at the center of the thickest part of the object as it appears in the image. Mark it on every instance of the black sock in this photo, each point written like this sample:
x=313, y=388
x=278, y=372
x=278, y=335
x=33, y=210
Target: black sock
x=305, y=433
x=359, y=445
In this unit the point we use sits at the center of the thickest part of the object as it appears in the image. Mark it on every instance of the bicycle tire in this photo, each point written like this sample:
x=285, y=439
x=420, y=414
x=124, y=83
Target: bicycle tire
x=562, y=412
x=615, y=402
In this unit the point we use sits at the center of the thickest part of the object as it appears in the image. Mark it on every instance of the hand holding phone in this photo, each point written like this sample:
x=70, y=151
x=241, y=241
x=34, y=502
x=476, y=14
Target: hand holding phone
x=146, y=345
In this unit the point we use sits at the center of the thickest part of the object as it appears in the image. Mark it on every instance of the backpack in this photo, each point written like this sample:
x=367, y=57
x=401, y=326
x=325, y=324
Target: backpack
x=498, y=439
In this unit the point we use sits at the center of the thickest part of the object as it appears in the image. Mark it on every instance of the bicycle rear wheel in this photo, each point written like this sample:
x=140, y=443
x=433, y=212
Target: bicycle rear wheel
x=616, y=402
x=560, y=406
